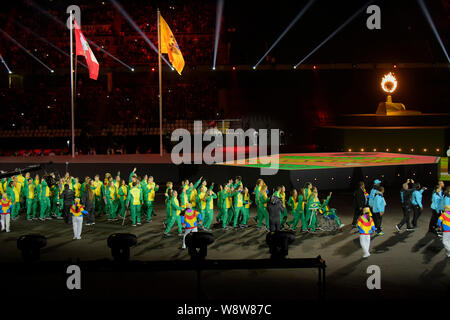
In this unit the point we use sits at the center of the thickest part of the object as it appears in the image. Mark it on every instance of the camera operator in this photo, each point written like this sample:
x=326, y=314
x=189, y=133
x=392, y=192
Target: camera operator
x=67, y=197
x=275, y=207
x=405, y=198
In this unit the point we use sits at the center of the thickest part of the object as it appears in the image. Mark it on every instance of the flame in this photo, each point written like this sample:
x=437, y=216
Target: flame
x=389, y=78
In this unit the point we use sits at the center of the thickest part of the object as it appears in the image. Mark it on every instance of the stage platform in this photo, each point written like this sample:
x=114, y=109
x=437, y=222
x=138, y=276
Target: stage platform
x=310, y=161
x=417, y=140
x=328, y=171
x=445, y=176
x=342, y=170
x=373, y=120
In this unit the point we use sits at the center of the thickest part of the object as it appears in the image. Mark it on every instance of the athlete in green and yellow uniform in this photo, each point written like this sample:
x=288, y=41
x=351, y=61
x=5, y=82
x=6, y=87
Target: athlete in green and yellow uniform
x=238, y=183
x=246, y=212
x=175, y=211
x=135, y=200
x=30, y=198
x=13, y=194
x=44, y=200
x=238, y=204
x=306, y=194
x=98, y=195
x=193, y=194
x=149, y=191
x=201, y=201
x=295, y=204
x=209, y=209
x=21, y=180
x=184, y=199
x=123, y=193
x=227, y=210
x=76, y=187
x=220, y=203
x=112, y=199
x=259, y=184
x=262, y=200
x=312, y=208
x=167, y=196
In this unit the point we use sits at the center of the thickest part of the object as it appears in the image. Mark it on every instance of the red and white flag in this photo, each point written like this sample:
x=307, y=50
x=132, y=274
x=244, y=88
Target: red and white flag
x=82, y=49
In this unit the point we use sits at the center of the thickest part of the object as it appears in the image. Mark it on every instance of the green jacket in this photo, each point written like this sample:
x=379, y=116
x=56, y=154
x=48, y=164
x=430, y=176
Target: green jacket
x=173, y=206
x=108, y=194
x=42, y=190
x=209, y=199
x=261, y=201
x=130, y=197
x=166, y=201
x=238, y=195
x=121, y=193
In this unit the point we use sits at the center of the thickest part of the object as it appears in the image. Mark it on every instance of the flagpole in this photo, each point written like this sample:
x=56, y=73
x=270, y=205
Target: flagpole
x=160, y=87
x=75, y=78
x=71, y=86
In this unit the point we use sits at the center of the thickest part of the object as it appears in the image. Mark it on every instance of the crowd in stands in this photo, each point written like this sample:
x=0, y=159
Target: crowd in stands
x=39, y=106
x=129, y=106
x=193, y=25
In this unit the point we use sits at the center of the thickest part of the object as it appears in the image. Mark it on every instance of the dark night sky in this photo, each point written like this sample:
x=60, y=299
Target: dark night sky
x=404, y=36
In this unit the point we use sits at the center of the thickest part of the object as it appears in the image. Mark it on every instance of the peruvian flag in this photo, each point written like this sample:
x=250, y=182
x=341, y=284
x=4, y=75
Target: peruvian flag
x=82, y=49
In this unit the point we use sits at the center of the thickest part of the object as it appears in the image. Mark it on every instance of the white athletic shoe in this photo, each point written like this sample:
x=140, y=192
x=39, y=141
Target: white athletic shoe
x=397, y=228
x=366, y=255
x=341, y=226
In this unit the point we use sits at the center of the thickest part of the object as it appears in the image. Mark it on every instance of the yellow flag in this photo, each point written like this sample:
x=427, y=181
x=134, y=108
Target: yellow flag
x=170, y=46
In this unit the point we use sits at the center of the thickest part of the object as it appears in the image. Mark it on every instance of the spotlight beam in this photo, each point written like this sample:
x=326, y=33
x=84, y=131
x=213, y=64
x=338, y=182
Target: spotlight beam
x=219, y=11
x=4, y=63
x=135, y=26
x=45, y=40
x=293, y=22
x=432, y=26
x=335, y=32
x=62, y=24
x=109, y=54
x=24, y=49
